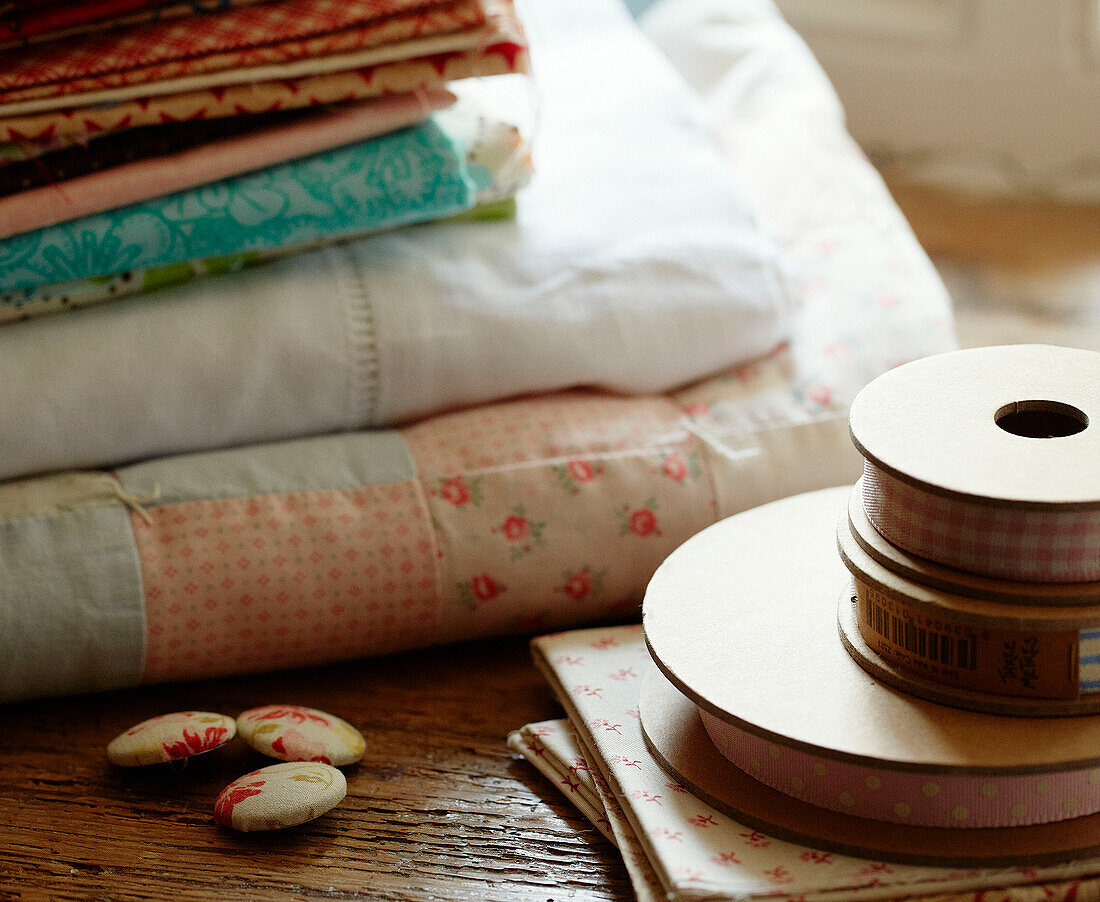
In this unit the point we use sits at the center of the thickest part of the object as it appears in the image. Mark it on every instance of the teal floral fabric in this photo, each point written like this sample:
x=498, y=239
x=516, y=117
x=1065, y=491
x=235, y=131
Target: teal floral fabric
x=45, y=300
x=409, y=176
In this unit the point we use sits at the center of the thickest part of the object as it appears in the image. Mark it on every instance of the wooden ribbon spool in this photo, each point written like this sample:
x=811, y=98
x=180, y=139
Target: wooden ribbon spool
x=974, y=529
x=740, y=622
x=988, y=460
x=996, y=657
x=938, y=576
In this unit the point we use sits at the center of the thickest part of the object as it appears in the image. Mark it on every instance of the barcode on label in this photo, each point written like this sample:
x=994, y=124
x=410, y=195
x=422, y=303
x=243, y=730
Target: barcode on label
x=950, y=651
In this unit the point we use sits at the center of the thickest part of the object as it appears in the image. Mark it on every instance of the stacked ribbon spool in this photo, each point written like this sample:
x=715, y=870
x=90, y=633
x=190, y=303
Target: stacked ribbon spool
x=969, y=570
x=973, y=538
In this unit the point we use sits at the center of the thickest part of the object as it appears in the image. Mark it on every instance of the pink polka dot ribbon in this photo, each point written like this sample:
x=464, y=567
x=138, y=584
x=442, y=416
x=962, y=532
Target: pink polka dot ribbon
x=906, y=796
x=1044, y=545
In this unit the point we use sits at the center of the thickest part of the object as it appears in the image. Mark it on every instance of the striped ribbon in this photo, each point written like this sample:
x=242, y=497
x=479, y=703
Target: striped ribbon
x=1088, y=661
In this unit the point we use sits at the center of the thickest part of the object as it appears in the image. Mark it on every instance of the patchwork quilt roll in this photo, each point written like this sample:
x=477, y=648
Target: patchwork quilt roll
x=522, y=516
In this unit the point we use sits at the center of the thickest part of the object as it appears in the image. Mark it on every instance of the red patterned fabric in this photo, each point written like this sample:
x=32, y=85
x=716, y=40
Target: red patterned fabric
x=20, y=26
x=502, y=50
x=193, y=36
x=36, y=24
x=447, y=18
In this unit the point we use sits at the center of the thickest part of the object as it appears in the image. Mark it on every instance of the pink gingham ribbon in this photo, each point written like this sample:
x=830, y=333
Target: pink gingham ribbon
x=1044, y=545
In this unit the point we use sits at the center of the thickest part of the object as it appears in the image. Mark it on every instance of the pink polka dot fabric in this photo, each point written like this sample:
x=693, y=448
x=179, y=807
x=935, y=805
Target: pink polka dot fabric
x=276, y=581
x=907, y=797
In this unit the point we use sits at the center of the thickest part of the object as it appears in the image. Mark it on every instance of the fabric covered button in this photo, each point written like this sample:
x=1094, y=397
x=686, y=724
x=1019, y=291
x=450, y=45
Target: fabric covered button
x=281, y=795
x=171, y=737
x=294, y=733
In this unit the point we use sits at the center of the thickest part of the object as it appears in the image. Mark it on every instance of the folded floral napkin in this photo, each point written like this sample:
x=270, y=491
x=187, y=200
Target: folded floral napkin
x=694, y=849
x=554, y=748
x=551, y=747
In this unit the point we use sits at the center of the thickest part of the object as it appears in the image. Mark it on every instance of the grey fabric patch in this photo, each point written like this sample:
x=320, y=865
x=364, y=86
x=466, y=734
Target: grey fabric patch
x=45, y=495
x=329, y=462
x=72, y=615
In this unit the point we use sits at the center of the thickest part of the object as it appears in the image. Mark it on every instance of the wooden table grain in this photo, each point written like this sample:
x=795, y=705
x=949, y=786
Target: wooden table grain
x=438, y=809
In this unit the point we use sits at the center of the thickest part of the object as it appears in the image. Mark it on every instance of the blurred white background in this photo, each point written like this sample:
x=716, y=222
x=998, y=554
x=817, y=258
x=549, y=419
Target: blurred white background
x=984, y=118
x=997, y=96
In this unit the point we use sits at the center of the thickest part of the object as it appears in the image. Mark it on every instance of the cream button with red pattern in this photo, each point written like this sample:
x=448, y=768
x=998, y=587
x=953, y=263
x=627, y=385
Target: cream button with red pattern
x=294, y=733
x=282, y=795
x=171, y=737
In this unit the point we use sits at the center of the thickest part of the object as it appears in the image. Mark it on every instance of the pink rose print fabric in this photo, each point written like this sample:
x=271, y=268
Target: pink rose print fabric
x=694, y=849
x=568, y=500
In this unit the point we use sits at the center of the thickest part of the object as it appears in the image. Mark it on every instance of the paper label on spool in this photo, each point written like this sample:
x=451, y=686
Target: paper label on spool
x=944, y=646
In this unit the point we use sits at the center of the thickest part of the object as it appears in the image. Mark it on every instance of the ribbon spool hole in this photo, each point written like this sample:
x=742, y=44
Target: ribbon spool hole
x=1041, y=419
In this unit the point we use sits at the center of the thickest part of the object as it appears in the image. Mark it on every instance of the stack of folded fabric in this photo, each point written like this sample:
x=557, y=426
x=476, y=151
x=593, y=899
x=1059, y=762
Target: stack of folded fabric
x=667, y=331
x=142, y=143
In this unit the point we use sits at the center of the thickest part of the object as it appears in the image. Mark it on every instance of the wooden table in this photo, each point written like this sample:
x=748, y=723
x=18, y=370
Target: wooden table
x=439, y=808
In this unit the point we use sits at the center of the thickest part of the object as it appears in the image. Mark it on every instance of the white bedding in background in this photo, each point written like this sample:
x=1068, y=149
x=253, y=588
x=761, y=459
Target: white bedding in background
x=872, y=299
x=635, y=263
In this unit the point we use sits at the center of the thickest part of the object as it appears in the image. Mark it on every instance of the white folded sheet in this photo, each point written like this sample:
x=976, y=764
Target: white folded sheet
x=635, y=264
